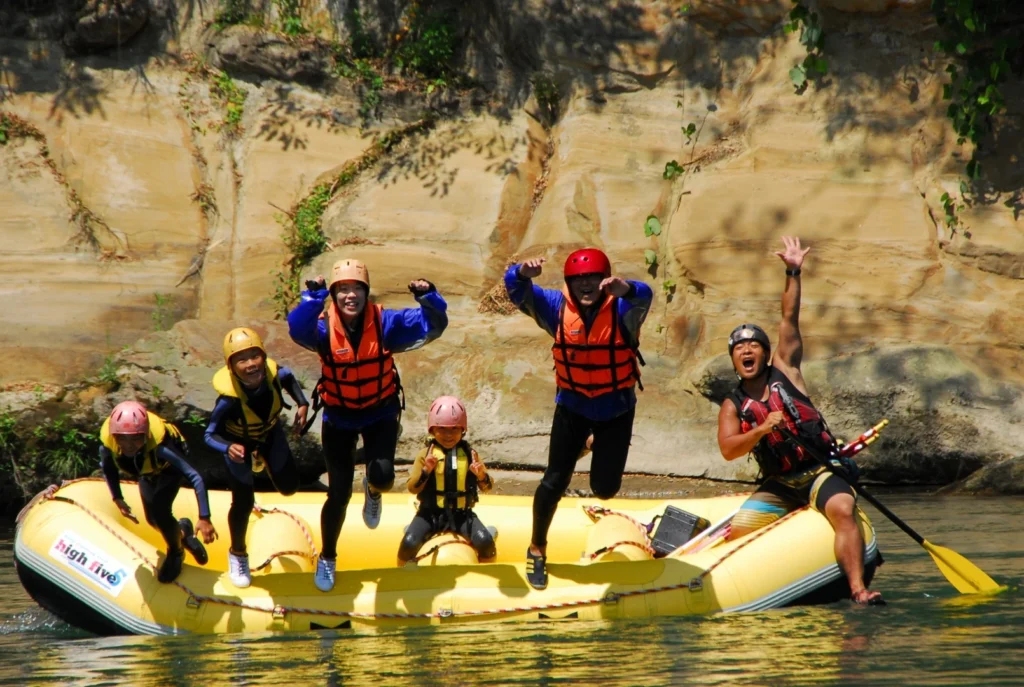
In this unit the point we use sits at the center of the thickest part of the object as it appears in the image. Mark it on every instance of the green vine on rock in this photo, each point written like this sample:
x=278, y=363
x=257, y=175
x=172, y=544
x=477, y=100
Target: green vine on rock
x=812, y=36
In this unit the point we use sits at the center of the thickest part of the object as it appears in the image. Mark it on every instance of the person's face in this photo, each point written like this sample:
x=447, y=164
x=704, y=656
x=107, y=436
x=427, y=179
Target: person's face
x=249, y=366
x=749, y=359
x=350, y=297
x=448, y=437
x=130, y=444
x=586, y=289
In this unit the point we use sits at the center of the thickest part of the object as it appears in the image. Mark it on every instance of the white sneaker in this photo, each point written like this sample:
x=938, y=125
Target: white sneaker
x=238, y=570
x=324, y=578
x=373, y=504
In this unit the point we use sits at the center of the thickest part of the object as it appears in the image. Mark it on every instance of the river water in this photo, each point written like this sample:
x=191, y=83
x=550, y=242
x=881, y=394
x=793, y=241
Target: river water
x=927, y=635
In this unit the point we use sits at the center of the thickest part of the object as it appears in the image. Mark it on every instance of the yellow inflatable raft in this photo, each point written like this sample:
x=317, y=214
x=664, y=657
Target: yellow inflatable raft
x=80, y=559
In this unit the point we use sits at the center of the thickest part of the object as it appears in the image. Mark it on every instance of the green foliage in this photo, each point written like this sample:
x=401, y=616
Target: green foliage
x=952, y=210
x=161, y=315
x=545, y=90
x=429, y=41
x=232, y=12
x=973, y=36
x=306, y=240
x=289, y=13
x=108, y=373
x=812, y=37
x=650, y=257
x=360, y=41
x=286, y=292
x=195, y=420
x=62, y=449
x=672, y=170
x=652, y=227
x=668, y=287
x=232, y=97
x=363, y=72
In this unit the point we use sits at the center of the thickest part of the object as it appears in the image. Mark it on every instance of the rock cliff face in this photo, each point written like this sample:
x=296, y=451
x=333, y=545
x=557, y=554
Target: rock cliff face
x=153, y=191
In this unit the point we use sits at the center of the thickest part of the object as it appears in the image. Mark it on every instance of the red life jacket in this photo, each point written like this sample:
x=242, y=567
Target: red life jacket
x=360, y=378
x=774, y=453
x=595, y=360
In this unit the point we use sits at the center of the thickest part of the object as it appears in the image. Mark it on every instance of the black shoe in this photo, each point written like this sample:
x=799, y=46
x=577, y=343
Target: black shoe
x=536, y=572
x=191, y=542
x=171, y=568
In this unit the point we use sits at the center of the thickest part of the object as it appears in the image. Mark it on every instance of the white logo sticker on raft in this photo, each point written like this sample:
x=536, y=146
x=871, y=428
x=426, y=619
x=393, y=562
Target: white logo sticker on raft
x=90, y=562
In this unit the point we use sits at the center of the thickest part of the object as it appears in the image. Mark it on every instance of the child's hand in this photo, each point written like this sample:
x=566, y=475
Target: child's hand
x=126, y=510
x=236, y=452
x=206, y=530
x=477, y=466
x=300, y=419
x=429, y=464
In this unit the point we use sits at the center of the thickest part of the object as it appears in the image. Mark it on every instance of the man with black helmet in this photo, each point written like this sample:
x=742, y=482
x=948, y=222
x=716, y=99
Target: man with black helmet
x=772, y=395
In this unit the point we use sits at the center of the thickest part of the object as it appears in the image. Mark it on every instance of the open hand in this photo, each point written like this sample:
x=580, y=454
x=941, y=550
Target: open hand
x=300, y=419
x=616, y=286
x=477, y=466
x=429, y=464
x=531, y=269
x=793, y=255
x=236, y=452
x=206, y=530
x=126, y=510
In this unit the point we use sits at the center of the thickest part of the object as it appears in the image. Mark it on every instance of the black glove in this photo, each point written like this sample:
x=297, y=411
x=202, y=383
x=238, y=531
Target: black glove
x=314, y=285
x=421, y=292
x=847, y=467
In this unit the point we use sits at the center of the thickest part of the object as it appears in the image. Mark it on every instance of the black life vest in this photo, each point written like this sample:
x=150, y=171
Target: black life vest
x=460, y=492
x=775, y=453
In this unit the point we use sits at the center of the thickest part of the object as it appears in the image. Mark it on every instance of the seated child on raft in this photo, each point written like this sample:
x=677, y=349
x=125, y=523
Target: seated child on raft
x=447, y=476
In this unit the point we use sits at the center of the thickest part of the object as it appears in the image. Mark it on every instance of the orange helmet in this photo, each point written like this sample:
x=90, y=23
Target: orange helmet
x=129, y=417
x=447, y=411
x=349, y=270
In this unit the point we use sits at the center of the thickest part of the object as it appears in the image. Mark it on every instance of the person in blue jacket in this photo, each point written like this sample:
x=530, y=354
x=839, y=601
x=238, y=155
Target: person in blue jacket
x=245, y=427
x=595, y=323
x=359, y=386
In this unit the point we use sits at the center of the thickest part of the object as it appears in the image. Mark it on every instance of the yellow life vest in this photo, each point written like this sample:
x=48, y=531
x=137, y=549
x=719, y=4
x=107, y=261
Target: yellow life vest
x=461, y=472
x=146, y=463
x=250, y=425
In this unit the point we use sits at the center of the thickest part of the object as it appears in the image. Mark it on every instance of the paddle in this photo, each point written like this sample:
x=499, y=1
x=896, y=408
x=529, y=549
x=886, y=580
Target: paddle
x=961, y=573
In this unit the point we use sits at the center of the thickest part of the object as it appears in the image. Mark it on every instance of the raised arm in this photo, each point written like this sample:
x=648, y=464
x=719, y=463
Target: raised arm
x=790, y=350
x=543, y=305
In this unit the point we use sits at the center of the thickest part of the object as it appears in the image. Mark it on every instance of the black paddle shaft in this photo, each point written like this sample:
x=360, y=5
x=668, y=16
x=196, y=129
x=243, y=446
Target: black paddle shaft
x=856, y=487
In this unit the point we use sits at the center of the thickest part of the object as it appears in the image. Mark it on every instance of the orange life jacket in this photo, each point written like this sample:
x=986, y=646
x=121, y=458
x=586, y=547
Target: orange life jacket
x=595, y=360
x=356, y=378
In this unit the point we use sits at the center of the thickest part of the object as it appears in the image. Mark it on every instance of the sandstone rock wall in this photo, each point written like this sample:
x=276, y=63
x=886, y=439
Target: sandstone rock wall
x=901, y=319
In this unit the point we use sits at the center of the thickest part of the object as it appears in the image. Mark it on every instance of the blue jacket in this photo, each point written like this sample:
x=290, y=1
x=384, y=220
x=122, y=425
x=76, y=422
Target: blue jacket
x=403, y=330
x=545, y=306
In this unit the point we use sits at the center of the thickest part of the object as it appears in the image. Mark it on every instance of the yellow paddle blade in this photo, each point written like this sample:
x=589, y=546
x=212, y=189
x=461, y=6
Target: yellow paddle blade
x=961, y=573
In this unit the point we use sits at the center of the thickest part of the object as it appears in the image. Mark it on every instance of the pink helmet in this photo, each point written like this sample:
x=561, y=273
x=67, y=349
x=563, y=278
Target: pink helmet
x=129, y=417
x=447, y=411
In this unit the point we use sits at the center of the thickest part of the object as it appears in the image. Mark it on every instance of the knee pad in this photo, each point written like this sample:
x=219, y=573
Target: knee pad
x=381, y=474
x=407, y=549
x=484, y=544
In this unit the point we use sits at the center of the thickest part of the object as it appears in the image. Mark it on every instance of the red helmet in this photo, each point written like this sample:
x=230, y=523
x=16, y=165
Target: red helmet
x=447, y=411
x=587, y=261
x=129, y=417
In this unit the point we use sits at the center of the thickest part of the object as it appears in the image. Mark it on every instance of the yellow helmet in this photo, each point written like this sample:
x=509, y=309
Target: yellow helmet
x=349, y=270
x=241, y=339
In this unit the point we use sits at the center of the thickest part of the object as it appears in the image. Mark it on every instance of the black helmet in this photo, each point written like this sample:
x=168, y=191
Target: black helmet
x=749, y=332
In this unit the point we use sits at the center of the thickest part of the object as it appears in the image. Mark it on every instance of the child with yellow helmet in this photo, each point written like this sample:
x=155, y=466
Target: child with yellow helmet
x=447, y=475
x=245, y=427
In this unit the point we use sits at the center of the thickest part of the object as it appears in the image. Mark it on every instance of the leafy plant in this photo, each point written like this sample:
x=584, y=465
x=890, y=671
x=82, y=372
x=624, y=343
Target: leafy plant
x=672, y=170
x=428, y=42
x=233, y=12
x=195, y=420
x=650, y=257
x=223, y=87
x=360, y=40
x=812, y=37
x=291, y=21
x=161, y=315
x=108, y=373
x=668, y=287
x=652, y=227
x=545, y=90
x=952, y=210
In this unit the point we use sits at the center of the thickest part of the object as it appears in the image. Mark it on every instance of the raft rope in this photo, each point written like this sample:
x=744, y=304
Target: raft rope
x=278, y=611
x=459, y=539
x=597, y=512
x=311, y=554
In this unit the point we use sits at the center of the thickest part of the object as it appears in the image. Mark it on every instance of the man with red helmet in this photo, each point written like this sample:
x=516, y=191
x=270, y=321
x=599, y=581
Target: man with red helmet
x=772, y=394
x=144, y=446
x=595, y=321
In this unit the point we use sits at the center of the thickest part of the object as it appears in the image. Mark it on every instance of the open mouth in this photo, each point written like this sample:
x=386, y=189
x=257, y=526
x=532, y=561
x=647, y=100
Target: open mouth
x=748, y=363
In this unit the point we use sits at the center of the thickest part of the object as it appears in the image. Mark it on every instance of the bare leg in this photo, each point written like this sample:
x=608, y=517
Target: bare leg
x=849, y=546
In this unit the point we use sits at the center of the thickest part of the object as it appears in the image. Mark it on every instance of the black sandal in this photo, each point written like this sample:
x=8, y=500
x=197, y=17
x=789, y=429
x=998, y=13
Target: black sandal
x=192, y=543
x=536, y=570
x=171, y=567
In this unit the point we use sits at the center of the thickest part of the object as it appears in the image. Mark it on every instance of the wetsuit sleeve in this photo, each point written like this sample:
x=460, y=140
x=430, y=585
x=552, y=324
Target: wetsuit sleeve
x=417, y=478
x=543, y=305
x=304, y=323
x=110, y=473
x=213, y=437
x=177, y=461
x=412, y=328
x=291, y=384
x=634, y=307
